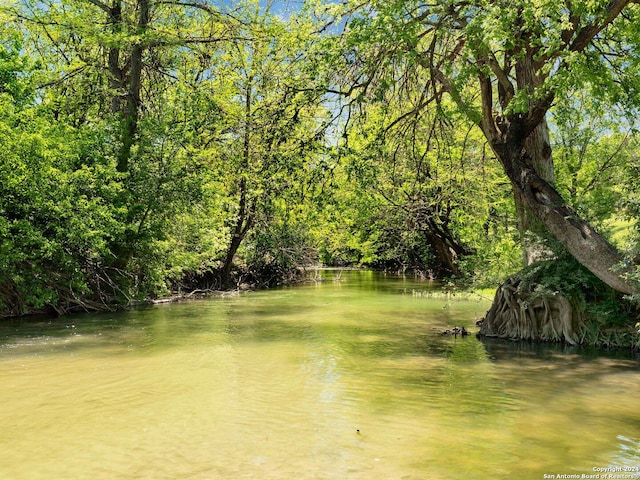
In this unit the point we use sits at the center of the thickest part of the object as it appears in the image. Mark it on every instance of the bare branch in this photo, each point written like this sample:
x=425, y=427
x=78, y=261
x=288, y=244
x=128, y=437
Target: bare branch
x=70, y=74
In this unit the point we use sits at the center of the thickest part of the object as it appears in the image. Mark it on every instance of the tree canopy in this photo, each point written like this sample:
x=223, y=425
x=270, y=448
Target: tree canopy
x=155, y=146
x=506, y=66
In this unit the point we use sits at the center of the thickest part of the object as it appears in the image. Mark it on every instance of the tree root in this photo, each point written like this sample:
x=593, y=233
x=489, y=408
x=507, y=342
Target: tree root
x=523, y=316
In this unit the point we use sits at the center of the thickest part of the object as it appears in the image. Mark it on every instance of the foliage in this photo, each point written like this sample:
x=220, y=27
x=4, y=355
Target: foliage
x=565, y=276
x=117, y=182
x=76, y=231
x=274, y=255
x=594, y=152
x=270, y=126
x=145, y=143
x=503, y=66
x=58, y=216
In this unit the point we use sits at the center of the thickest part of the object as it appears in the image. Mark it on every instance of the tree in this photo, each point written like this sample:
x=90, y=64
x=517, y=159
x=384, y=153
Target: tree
x=269, y=91
x=505, y=64
x=107, y=52
x=193, y=124
x=117, y=63
x=107, y=99
x=56, y=198
x=417, y=169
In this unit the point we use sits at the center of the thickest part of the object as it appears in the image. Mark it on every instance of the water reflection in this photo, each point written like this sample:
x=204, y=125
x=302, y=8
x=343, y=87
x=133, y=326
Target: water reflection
x=348, y=379
x=628, y=454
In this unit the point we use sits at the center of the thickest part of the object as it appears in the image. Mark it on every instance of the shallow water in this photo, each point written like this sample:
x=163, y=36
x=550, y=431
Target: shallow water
x=346, y=379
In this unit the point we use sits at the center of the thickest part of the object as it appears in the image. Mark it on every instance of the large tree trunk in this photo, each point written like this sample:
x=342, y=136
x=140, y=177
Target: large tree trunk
x=446, y=250
x=445, y=255
x=532, y=230
x=578, y=237
x=519, y=140
x=116, y=72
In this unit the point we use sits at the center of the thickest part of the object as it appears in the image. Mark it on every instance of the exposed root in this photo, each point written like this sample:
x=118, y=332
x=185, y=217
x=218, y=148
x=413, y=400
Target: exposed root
x=520, y=315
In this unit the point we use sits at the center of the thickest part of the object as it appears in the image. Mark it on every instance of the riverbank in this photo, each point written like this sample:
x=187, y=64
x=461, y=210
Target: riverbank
x=588, y=332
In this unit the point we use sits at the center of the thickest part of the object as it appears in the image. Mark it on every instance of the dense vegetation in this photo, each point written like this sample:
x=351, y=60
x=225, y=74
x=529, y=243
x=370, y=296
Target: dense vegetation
x=151, y=146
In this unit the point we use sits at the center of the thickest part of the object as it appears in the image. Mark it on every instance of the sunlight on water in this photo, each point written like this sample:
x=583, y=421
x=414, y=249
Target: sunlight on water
x=329, y=380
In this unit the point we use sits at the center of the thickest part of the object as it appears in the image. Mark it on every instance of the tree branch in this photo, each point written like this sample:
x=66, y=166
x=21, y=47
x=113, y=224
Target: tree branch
x=413, y=111
x=588, y=32
x=202, y=40
x=200, y=6
x=486, y=92
x=581, y=41
x=101, y=6
x=502, y=77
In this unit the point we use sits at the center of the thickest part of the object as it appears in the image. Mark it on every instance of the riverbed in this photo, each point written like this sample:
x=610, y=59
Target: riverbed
x=344, y=377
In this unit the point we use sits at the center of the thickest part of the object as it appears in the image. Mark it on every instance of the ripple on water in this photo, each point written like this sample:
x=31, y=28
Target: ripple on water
x=354, y=384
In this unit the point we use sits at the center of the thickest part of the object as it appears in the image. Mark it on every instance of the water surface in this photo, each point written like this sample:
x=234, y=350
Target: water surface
x=348, y=379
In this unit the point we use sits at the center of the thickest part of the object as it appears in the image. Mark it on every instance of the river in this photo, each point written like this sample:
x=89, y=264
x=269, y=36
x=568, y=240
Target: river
x=345, y=378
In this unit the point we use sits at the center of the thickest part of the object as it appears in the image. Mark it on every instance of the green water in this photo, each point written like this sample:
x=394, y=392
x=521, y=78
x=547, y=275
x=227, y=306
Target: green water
x=346, y=379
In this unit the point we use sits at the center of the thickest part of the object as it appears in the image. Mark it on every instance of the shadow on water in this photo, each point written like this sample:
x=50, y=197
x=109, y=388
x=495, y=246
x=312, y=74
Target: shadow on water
x=499, y=349
x=148, y=327
x=355, y=370
x=266, y=316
